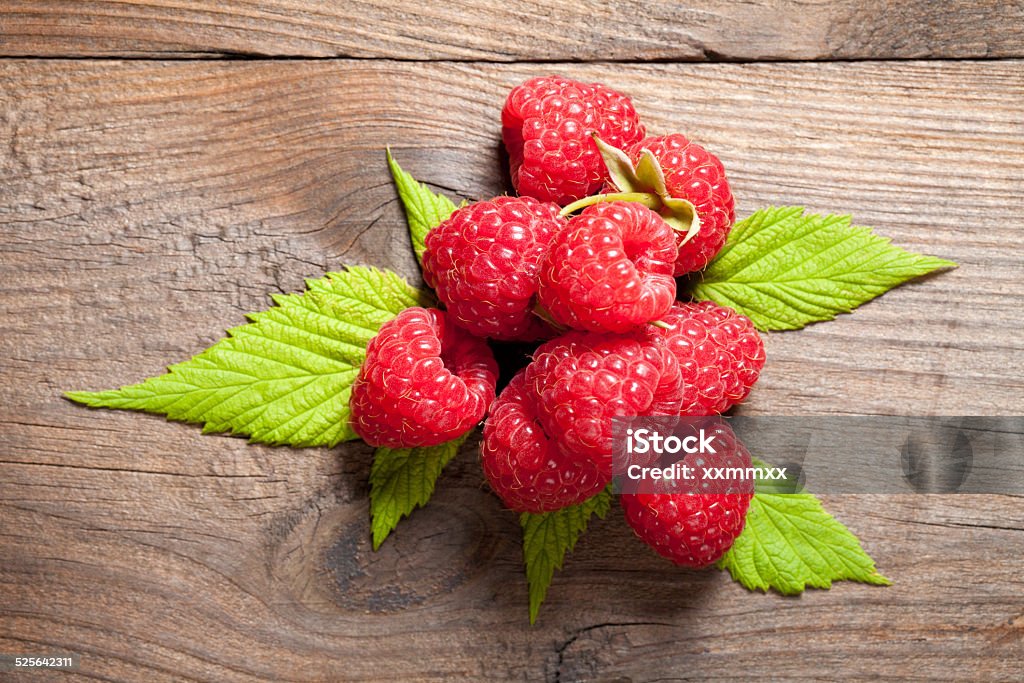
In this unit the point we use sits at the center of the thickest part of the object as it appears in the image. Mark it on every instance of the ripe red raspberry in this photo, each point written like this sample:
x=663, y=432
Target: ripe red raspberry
x=547, y=124
x=694, y=522
x=610, y=270
x=583, y=380
x=524, y=466
x=483, y=262
x=720, y=354
x=548, y=441
x=424, y=382
x=696, y=175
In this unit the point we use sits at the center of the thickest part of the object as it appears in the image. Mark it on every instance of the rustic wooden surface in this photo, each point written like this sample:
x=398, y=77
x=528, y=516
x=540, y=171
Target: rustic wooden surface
x=147, y=204
x=516, y=30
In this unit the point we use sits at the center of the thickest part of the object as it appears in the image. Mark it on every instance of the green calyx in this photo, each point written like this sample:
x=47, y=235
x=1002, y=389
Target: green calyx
x=643, y=182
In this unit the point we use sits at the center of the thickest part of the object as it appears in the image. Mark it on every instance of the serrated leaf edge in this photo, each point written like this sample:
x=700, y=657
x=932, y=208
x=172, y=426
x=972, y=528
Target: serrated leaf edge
x=598, y=505
x=382, y=527
x=715, y=286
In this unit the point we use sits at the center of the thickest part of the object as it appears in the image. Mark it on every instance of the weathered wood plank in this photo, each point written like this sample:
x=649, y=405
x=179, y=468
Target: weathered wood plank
x=516, y=30
x=146, y=206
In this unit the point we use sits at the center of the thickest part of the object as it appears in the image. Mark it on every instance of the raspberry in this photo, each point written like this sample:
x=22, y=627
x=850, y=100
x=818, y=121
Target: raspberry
x=483, y=262
x=696, y=175
x=524, y=465
x=610, y=270
x=548, y=440
x=547, y=124
x=683, y=523
x=720, y=354
x=424, y=382
x=583, y=380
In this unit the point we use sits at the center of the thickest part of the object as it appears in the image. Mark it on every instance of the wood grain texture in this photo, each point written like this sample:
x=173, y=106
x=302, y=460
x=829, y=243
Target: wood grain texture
x=146, y=206
x=516, y=30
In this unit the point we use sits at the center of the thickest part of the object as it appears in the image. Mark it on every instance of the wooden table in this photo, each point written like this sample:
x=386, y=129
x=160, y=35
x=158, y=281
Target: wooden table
x=164, y=166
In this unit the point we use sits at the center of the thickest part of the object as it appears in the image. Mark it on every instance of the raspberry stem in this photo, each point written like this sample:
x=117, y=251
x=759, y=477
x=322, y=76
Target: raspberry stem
x=650, y=200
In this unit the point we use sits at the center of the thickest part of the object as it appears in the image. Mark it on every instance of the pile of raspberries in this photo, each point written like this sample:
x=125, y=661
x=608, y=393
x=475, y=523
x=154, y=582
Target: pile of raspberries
x=596, y=288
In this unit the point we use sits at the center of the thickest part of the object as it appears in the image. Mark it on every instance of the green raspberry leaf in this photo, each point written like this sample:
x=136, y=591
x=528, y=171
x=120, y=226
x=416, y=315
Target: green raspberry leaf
x=547, y=537
x=790, y=542
x=424, y=210
x=784, y=270
x=403, y=479
x=286, y=377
